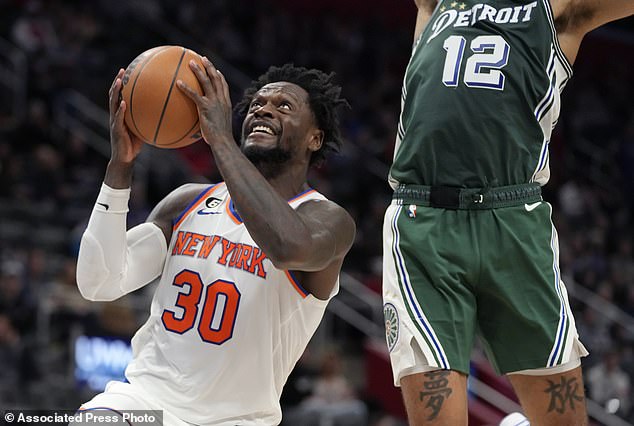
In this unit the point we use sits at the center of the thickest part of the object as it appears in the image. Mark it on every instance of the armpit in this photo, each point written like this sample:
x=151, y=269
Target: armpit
x=574, y=15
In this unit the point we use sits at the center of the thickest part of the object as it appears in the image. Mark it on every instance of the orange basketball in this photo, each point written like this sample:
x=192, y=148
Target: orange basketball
x=157, y=111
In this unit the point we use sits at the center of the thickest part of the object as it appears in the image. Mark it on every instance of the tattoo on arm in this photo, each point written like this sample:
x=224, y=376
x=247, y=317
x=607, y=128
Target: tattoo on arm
x=564, y=394
x=435, y=391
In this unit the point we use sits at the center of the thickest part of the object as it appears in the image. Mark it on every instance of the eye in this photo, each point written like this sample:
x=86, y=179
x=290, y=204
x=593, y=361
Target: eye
x=286, y=105
x=255, y=104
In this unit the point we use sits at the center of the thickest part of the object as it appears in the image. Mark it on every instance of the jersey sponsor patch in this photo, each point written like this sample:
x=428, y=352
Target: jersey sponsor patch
x=212, y=205
x=391, y=325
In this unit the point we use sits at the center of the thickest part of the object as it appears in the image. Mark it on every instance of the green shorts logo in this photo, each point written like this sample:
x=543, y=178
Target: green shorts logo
x=391, y=325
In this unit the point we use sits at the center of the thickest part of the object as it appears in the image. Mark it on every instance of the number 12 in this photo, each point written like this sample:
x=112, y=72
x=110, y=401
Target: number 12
x=490, y=53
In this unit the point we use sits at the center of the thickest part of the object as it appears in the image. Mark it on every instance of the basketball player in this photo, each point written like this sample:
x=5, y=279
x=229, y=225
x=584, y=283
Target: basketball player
x=246, y=266
x=469, y=244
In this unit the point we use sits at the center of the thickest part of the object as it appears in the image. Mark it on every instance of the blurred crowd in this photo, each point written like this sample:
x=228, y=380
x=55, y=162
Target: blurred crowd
x=50, y=174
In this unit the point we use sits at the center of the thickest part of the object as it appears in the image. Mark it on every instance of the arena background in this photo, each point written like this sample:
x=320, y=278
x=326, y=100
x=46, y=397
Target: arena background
x=57, y=61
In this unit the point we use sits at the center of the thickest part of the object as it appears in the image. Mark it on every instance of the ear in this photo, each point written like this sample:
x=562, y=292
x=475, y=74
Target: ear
x=316, y=140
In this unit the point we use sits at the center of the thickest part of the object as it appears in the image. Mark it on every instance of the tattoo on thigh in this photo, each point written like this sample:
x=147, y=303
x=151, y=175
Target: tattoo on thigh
x=435, y=391
x=563, y=394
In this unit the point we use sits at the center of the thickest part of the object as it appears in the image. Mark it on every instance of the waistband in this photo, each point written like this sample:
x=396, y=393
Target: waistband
x=448, y=197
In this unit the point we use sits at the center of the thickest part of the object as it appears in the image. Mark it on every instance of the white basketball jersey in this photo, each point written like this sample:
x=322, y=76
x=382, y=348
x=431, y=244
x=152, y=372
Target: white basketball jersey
x=226, y=327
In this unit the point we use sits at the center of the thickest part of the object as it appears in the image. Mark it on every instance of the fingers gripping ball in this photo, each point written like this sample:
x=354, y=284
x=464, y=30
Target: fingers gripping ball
x=157, y=111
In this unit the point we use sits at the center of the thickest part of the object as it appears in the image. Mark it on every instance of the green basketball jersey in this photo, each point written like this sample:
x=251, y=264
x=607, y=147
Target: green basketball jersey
x=481, y=96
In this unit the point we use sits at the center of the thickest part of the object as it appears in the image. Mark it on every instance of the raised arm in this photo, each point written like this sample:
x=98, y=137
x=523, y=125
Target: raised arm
x=111, y=261
x=425, y=10
x=312, y=239
x=575, y=18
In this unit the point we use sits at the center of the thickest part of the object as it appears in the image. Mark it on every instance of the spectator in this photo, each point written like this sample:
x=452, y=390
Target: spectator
x=333, y=401
x=43, y=167
x=10, y=349
x=609, y=385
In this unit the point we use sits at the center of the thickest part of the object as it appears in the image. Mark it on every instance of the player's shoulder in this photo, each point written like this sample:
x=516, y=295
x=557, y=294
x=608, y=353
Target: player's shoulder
x=177, y=201
x=184, y=195
x=330, y=214
x=312, y=199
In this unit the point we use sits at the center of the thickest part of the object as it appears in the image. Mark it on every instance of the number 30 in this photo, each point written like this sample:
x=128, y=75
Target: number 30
x=219, y=310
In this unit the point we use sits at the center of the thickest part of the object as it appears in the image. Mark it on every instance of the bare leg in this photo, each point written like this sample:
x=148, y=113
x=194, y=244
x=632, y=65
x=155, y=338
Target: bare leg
x=557, y=399
x=436, y=397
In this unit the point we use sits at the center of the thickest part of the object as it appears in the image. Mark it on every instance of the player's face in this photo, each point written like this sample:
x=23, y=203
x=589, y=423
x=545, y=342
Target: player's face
x=279, y=124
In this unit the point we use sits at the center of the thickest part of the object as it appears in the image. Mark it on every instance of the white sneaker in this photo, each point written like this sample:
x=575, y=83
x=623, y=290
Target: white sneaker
x=515, y=419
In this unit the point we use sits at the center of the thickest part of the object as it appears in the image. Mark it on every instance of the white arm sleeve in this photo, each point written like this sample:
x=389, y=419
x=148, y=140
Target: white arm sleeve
x=111, y=262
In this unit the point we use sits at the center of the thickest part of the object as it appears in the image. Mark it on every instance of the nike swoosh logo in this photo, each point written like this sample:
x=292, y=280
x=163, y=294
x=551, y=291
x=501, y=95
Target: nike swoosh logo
x=531, y=207
x=105, y=206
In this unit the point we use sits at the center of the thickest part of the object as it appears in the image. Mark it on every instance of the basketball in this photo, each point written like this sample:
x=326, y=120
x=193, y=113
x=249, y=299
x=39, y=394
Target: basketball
x=157, y=111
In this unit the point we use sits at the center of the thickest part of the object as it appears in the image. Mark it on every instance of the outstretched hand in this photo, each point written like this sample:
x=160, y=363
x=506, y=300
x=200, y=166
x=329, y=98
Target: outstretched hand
x=214, y=105
x=124, y=145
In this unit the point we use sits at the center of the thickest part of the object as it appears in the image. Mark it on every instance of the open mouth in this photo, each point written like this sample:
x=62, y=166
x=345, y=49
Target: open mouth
x=263, y=129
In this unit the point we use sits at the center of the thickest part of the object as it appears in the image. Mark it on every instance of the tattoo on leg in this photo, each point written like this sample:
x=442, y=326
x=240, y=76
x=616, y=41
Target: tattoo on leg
x=435, y=391
x=563, y=394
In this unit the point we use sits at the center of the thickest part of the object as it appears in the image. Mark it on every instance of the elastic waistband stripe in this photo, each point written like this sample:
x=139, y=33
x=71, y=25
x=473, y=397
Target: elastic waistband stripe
x=468, y=198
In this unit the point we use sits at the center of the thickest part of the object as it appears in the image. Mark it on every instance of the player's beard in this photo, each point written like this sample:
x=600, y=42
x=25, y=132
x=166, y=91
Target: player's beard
x=269, y=161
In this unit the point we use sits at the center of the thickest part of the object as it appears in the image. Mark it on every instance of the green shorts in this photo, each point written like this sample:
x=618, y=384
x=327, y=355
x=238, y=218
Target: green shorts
x=449, y=274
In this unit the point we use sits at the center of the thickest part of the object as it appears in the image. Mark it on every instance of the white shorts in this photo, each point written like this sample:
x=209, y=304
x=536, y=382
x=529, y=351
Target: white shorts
x=120, y=396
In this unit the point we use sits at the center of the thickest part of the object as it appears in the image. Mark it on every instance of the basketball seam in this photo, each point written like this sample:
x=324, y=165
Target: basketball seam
x=133, y=87
x=169, y=93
